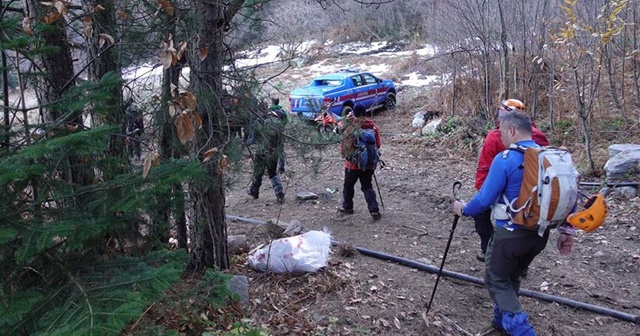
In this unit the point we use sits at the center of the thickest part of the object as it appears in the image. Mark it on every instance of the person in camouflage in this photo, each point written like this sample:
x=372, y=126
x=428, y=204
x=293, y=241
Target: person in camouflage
x=266, y=136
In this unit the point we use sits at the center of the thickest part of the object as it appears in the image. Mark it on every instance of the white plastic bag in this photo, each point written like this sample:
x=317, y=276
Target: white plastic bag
x=302, y=253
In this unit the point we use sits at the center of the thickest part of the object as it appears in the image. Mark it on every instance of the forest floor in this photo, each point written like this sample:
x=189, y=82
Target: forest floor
x=358, y=294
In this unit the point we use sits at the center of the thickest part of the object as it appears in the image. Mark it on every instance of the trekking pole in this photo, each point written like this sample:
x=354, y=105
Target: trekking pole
x=456, y=187
x=378, y=187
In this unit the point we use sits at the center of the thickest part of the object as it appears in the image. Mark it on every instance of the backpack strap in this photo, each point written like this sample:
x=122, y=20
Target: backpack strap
x=510, y=208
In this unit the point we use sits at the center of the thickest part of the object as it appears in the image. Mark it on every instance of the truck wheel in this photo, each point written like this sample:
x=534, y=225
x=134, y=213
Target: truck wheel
x=390, y=102
x=346, y=110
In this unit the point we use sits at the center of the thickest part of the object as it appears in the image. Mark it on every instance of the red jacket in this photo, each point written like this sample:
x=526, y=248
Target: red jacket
x=367, y=123
x=493, y=145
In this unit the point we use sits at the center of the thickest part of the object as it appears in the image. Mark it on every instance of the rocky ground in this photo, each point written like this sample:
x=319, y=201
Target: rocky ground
x=358, y=294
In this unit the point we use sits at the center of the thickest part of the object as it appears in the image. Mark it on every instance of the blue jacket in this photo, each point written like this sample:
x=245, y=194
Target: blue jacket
x=505, y=176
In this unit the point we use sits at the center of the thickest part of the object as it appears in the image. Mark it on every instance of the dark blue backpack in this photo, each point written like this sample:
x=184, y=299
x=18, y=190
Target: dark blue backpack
x=365, y=154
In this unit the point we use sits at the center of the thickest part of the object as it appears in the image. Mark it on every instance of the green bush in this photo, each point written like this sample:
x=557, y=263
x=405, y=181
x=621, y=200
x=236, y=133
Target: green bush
x=73, y=259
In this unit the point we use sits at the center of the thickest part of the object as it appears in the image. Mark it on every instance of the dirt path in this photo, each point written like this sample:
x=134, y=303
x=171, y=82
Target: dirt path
x=362, y=295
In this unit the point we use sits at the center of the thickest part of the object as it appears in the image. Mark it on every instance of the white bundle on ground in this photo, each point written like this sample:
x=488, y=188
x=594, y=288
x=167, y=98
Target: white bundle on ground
x=418, y=120
x=302, y=253
x=431, y=127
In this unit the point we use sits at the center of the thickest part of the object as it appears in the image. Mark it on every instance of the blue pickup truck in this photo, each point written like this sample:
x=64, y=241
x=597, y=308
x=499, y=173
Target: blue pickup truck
x=342, y=91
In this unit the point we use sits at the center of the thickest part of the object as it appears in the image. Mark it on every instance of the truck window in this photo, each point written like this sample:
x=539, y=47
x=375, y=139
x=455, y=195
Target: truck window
x=369, y=79
x=326, y=82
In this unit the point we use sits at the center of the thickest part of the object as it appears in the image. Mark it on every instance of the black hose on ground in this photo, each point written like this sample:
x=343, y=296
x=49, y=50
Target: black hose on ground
x=525, y=292
x=460, y=276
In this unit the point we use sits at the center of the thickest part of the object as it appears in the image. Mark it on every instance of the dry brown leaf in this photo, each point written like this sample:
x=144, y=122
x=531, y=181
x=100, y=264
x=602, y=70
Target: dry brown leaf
x=189, y=101
x=223, y=164
x=209, y=154
x=174, y=90
x=174, y=108
x=197, y=119
x=71, y=127
x=203, y=53
x=87, y=24
x=98, y=8
x=179, y=121
x=61, y=7
x=166, y=5
x=182, y=47
x=185, y=129
x=50, y=18
x=146, y=165
x=106, y=37
x=174, y=58
x=122, y=14
x=26, y=26
x=166, y=58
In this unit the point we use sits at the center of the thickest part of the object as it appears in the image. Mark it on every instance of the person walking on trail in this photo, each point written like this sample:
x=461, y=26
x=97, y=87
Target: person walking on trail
x=352, y=174
x=491, y=147
x=511, y=248
x=282, y=114
x=266, y=134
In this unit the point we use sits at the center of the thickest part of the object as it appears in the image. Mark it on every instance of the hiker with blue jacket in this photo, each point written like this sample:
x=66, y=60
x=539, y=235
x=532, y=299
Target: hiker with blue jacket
x=511, y=248
x=491, y=146
x=353, y=126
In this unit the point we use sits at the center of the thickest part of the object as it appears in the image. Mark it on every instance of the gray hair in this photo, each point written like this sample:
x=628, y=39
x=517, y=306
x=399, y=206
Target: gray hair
x=518, y=120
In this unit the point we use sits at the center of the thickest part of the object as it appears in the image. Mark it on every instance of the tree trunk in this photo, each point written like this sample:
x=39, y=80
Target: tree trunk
x=552, y=87
x=454, y=77
x=505, y=54
x=56, y=64
x=169, y=147
x=103, y=60
x=634, y=62
x=583, y=111
x=486, y=59
x=613, y=90
x=209, y=230
x=5, y=105
x=58, y=77
x=623, y=65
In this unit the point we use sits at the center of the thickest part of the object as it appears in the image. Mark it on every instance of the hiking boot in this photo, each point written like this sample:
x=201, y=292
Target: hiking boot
x=254, y=195
x=345, y=211
x=517, y=324
x=480, y=256
x=496, y=321
x=280, y=198
x=376, y=215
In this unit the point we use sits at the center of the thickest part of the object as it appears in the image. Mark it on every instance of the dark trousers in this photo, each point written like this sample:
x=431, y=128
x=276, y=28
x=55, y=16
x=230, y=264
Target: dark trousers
x=484, y=228
x=261, y=163
x=351, y=176
x=508, y=255
x=282, y=159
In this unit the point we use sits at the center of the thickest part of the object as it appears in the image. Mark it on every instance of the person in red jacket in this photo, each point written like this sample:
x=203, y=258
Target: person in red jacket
x=351, y=172
x=491, y=147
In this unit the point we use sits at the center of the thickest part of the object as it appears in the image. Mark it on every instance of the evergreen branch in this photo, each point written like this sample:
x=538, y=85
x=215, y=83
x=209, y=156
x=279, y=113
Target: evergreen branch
x=86, y=299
